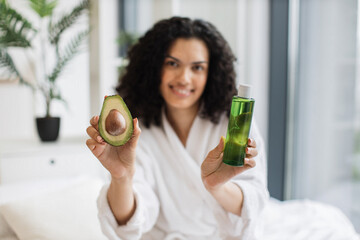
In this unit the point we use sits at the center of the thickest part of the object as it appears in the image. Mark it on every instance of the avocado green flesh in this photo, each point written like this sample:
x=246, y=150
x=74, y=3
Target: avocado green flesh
x=110, y=103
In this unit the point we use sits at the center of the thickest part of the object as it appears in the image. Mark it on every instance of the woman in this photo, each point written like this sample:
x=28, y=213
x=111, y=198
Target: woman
x=168, y=181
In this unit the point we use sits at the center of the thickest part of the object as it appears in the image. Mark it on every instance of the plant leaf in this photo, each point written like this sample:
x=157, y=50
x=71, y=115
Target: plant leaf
x=54, y=93
x=15, y=30
x=7, y=63
x=68, y=53
x=55, y=30
x=127, y=38
x=43, y=7
x=60, y=98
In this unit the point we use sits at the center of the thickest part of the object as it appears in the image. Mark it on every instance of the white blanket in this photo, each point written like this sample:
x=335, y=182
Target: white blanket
x=294, y=220
x=306, y=220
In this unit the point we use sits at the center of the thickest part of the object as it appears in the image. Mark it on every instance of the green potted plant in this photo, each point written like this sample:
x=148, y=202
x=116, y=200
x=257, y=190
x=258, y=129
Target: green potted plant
x=18, y=32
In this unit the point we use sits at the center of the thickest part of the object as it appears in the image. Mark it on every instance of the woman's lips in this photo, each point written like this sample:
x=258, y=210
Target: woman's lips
x=181, y=92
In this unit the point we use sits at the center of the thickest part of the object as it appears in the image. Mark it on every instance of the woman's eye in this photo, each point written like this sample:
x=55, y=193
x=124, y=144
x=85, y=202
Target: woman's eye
x=198, y=68
x=171, y=63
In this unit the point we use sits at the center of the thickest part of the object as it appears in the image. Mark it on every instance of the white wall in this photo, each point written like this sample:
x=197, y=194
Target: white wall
x=17, y=109
x=256, y=62
x=103, y=52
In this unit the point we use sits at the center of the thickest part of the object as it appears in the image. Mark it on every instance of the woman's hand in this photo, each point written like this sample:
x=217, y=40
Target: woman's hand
x=119, y=161
x=215, y=173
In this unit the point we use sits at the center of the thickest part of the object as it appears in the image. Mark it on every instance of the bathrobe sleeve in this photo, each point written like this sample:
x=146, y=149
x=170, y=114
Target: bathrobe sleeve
x=146, y=212
x=253, y=184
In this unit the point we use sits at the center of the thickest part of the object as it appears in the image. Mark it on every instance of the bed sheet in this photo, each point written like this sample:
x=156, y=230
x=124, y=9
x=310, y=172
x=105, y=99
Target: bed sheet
x=15, y=191
x=288, y=220
x=306, y=220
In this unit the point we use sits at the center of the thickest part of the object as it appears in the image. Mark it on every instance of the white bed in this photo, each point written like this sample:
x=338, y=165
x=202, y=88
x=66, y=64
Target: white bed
x=63, y=208
x=66, y=209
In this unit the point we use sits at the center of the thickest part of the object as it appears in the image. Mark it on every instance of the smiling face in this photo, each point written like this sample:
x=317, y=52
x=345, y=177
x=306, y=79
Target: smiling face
x=184, y=73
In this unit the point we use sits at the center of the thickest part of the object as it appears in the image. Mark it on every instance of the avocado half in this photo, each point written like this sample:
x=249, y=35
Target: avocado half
x=115, y=122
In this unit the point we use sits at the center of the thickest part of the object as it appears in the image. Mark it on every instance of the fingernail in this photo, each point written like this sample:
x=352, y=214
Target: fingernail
x=98, y=138
x=247, y=150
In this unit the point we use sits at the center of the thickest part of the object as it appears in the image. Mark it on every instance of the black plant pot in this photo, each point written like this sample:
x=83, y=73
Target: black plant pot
x=48, y=128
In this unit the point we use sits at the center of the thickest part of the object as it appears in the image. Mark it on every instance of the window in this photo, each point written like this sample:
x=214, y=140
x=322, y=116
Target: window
x=323, y=147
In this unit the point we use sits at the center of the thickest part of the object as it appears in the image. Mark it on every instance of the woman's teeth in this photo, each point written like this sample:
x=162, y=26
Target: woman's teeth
x=182, y=91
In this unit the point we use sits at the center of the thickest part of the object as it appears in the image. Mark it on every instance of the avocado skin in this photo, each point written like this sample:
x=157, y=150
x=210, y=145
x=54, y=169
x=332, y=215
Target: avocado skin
x=121, y=106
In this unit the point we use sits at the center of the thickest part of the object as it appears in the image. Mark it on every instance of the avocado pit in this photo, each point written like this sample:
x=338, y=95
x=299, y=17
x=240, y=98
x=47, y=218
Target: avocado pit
x=115, y=123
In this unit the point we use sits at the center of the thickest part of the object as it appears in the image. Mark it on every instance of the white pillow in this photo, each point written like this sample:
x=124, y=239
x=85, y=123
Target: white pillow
x=6, y=233
x=69, y=213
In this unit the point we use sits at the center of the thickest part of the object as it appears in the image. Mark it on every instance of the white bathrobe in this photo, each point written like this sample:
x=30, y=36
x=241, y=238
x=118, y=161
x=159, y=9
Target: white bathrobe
x=171, y=201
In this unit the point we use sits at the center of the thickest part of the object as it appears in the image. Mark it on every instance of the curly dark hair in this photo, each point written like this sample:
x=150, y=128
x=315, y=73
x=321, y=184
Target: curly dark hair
x=140, y=84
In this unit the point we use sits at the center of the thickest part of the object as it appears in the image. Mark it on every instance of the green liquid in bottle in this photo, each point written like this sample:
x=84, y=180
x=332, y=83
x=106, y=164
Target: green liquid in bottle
x=238, y=131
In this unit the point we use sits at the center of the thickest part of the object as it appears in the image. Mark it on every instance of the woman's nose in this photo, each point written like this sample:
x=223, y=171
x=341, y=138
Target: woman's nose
x=184, y=76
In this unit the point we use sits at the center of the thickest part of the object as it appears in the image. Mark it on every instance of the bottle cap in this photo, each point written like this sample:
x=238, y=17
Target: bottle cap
x=244, y=91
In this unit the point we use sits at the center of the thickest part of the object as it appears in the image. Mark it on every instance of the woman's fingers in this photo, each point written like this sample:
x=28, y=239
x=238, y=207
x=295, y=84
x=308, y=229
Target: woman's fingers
x=91, y=143
x=95, y=147
x=217, y=152
x=94, y=122
x=251, y=143
x=96, y=143
x=137, y=129
x=251, y=152
x=213, y=160
x=136, y=133
x=249, y=162
x=94, y=134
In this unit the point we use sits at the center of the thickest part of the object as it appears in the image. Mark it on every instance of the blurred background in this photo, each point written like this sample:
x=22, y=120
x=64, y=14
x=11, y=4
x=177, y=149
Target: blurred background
x=301, y=57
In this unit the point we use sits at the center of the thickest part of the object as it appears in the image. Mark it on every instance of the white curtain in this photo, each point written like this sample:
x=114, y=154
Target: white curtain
x=324, y=142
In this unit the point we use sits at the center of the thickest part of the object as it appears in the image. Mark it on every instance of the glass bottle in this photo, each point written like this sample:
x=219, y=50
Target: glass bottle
x=237, y=135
